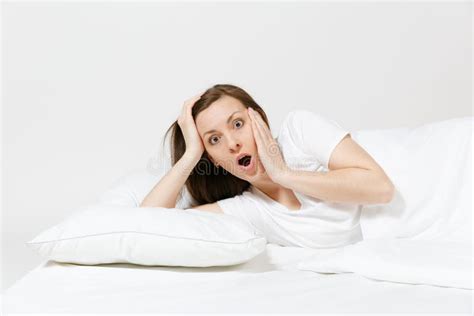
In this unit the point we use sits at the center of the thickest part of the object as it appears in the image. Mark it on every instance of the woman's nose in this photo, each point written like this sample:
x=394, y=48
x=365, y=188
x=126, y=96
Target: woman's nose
x=234, y=144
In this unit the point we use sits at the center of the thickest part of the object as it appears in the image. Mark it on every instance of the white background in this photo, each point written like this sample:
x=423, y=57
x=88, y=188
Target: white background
x=90, y=88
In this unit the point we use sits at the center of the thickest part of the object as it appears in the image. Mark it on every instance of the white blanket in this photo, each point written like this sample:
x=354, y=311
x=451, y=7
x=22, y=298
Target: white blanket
x=436, y=263
x=431, y=167
x=424, y=235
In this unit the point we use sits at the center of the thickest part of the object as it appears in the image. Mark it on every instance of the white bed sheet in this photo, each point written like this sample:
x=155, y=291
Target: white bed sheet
x=269, y=283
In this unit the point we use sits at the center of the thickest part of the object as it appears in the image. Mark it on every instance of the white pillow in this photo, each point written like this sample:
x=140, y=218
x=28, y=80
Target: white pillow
x=100, y=234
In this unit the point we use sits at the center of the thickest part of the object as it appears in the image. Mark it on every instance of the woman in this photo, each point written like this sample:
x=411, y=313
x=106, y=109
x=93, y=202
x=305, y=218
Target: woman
x=223, y=151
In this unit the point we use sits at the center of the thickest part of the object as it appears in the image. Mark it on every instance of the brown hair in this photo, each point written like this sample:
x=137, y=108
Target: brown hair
x=208, y=187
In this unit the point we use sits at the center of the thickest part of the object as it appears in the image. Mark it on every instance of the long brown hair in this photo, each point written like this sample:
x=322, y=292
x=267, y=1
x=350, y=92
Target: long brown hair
x=206, y=182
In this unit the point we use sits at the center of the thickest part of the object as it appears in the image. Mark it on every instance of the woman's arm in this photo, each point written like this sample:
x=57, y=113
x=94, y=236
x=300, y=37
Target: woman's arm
x=353, y=177
x=350, y=185
x=165, y=192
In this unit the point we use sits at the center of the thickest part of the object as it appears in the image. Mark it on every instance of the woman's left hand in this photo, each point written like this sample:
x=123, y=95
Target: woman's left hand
x=268, y=148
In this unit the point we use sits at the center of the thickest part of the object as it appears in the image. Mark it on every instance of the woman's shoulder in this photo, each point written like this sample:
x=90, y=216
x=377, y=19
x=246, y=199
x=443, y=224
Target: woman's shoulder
x=307, y=138
x=296, y=117
x=292, y=126
x=301, y=122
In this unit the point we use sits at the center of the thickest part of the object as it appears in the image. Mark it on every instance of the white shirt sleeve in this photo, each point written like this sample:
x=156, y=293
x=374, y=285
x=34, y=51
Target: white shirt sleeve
x=235, y=206
x=243, y=207
x=315, y=135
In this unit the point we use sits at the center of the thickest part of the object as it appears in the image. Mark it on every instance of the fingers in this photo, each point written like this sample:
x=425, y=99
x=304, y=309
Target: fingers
x=191, y=101
x=260, y=125
x=188, y=105
x=256, y=131
x=261, y=142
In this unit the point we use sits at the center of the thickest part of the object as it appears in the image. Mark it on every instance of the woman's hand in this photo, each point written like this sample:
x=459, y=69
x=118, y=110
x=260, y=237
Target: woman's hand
x=268, y=149
x=194, y=144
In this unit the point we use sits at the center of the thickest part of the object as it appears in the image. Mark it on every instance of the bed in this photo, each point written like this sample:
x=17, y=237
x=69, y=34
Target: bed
x=269, y=283
x=431, y=211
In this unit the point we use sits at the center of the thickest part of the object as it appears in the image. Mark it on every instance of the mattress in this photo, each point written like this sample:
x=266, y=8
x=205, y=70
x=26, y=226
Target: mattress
x=269, y=283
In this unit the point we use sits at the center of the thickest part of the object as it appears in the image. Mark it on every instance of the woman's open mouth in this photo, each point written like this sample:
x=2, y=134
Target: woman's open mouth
x=245, y=162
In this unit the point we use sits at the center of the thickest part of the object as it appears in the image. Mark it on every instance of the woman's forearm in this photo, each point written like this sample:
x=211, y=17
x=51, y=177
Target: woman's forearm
x=165, y=192
x=350, y=185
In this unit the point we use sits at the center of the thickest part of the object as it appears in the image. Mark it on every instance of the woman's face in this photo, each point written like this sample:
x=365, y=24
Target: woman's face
x=226, y=131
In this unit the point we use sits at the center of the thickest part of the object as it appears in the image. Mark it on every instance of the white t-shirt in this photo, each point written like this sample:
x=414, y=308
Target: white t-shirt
x=306, y=141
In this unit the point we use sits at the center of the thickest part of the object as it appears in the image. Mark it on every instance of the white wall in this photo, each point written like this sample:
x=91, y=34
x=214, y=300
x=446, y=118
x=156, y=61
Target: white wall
x=90, y=88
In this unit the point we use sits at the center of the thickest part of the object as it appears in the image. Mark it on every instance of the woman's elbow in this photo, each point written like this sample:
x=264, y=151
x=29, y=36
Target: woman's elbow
x=388, y=193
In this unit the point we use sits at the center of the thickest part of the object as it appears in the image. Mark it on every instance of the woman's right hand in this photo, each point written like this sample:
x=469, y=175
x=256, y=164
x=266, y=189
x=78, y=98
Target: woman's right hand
x=194, y=144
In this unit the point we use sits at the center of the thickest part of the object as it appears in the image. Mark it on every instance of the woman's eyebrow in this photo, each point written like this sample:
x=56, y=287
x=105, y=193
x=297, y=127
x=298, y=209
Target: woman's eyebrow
x=228, y=120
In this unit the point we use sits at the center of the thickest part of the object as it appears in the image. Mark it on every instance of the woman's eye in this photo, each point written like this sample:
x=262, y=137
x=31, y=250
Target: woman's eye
x=241, y=122
x=210, y=140
x=215, y=137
